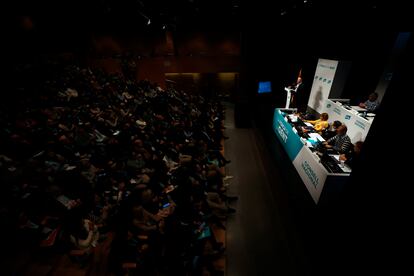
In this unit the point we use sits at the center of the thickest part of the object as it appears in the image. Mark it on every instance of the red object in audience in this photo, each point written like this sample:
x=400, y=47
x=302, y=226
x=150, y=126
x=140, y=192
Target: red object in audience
x=51, y=238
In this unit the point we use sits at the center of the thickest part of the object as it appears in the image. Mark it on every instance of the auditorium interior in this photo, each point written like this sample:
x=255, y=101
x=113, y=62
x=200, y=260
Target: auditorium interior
x=135, y=140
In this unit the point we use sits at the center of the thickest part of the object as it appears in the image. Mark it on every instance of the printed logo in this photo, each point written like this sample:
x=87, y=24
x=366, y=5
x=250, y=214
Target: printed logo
x=337, y=111
x=388, y=77
x=347, y=117
x=360, y=124
x=310, y=173
x=327, y=66
x=282, y=131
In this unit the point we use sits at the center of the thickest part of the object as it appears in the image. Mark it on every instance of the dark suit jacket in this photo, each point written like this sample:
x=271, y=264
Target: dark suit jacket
x=301, y=97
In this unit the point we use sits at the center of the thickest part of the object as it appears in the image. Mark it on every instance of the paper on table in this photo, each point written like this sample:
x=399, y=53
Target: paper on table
x=358, y=108
x=293, y=118
x=344, y=167
x=336, y=156
x=316, y=136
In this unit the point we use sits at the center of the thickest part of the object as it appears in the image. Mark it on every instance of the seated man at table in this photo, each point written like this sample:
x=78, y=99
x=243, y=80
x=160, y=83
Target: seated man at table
x=331, y=130
x=371, y=105
x=320, y=124
x=350, y=156
x=340, y=142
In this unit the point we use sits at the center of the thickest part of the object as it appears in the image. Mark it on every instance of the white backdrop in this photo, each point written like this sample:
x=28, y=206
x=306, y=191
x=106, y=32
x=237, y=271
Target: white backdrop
x=322, y=83
x=358, y=127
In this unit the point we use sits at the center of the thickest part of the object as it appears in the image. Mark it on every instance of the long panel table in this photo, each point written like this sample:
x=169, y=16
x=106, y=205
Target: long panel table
x=321, y=183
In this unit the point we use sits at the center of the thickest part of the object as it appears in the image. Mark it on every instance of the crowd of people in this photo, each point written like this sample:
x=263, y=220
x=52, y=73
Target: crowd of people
x=87, y=155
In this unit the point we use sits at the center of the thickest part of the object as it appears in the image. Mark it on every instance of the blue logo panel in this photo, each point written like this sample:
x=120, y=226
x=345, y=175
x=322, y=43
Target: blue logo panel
x=289, y=139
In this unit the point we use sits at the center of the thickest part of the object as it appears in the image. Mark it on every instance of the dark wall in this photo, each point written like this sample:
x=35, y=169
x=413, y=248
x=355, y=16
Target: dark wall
x=371, y=221
x=205, y=84
x=152, y=50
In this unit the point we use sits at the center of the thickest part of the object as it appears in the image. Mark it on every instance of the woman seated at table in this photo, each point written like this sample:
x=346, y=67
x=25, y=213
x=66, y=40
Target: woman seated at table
x=320, y=124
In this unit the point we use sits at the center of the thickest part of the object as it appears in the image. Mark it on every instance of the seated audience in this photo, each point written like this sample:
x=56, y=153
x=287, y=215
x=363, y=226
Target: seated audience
x=84, y=234
x=135, y=158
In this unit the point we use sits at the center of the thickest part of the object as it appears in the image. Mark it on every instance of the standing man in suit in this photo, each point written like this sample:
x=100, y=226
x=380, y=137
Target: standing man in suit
x=299, y=96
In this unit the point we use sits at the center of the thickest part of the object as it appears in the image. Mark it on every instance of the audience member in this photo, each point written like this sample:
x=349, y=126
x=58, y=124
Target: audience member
x=84, y=234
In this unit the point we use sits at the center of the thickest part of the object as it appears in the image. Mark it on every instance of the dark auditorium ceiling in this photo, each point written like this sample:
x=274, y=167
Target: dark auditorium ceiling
x=179, y=15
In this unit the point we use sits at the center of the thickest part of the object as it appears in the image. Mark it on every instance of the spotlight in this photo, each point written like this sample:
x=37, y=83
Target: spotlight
x=149, y=21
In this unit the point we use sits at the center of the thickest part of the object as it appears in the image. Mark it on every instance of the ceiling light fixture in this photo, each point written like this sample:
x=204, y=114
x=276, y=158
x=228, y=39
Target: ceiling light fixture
x=146, y=17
